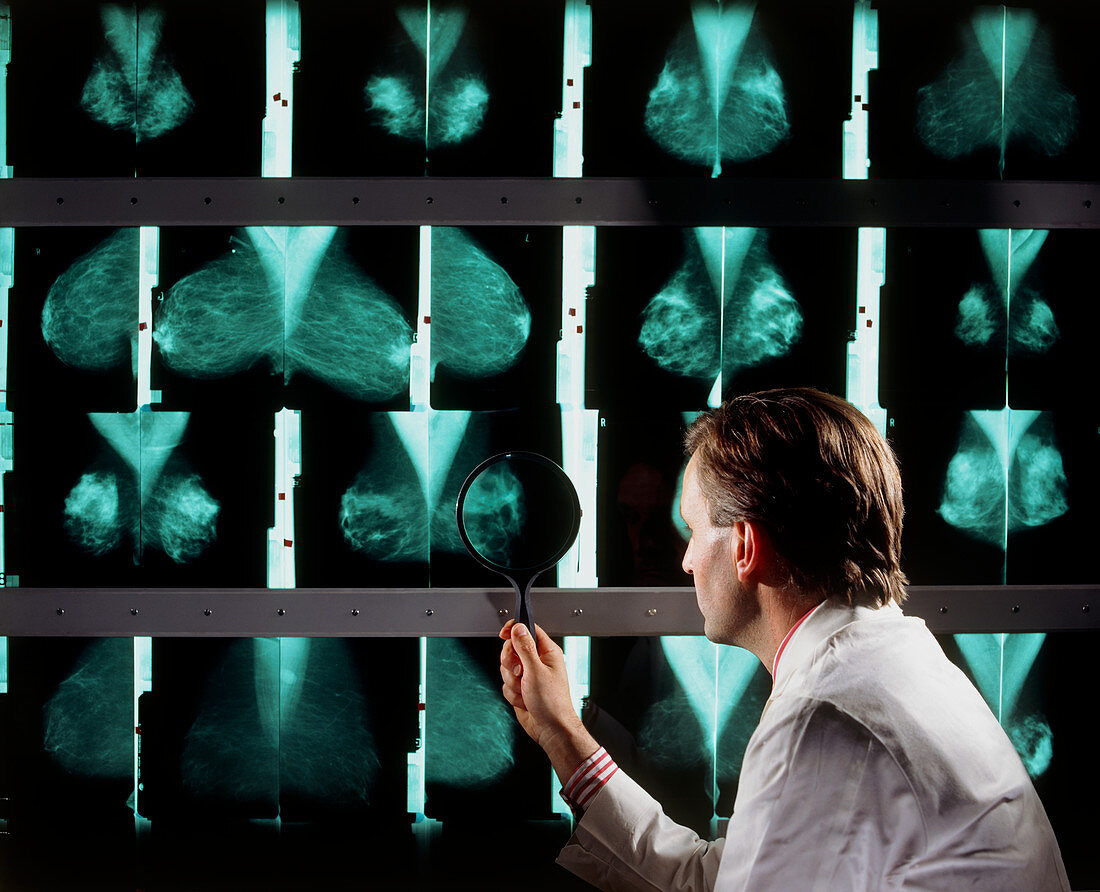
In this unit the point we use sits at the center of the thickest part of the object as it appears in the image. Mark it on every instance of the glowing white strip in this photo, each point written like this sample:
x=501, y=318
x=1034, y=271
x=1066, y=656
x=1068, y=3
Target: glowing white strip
x=143, y=681
x=579, y=426
x=420, y=367
x=288, y=466
x=863, y=348
x=148, y=278
x=283, y=50
x=864, y=60
x=415, y=794
x=7, y=263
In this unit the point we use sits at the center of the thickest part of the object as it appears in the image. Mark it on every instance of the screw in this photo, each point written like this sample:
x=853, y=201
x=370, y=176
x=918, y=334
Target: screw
x=133, y=611
x=207, y=612
x=943, y=609
x=503, y=611
x=281, y=612
x=1085, y=608
x=355, y=612
x=651, y=612
x=577, y=611
x=429, y=612
x=1015, y=608
x=60, y=611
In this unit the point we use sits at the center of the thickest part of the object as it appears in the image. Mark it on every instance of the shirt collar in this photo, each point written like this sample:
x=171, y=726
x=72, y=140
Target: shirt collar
x=821, y=622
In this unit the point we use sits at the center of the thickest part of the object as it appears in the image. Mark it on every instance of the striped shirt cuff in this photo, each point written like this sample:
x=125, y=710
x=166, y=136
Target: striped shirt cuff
x=588, y=780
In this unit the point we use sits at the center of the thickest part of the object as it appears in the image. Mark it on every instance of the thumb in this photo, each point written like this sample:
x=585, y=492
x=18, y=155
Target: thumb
x=525, y=647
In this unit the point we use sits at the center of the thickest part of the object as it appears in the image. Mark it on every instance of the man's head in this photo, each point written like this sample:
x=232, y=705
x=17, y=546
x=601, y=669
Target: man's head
x=812, y=472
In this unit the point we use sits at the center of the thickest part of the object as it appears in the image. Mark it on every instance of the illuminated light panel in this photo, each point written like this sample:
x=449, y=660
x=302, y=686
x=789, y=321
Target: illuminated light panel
x=87, y=724
x=451, y=106
x=471, y=726
x=725, y=308
x=1001, y=664
x=302, y=305
x=157, y=504
x=130, y=86
x=718, y=97
x=1004, y=85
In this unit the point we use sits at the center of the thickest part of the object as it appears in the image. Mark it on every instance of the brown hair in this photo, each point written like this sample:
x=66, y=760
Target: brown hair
x=816, y=474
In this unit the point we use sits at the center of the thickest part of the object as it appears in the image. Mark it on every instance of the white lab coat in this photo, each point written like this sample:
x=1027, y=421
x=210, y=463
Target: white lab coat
x=876, y=765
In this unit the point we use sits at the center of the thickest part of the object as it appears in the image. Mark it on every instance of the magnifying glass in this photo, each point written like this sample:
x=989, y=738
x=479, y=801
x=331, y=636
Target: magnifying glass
x=518, y=514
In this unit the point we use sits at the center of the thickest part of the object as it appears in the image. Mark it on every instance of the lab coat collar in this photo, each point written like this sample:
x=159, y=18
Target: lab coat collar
x=829, y=617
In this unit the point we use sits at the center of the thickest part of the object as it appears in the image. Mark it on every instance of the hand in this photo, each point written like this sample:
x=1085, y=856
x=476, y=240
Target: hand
x=537, y=688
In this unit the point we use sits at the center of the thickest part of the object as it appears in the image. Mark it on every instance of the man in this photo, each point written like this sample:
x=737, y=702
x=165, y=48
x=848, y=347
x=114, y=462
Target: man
x=876, y=764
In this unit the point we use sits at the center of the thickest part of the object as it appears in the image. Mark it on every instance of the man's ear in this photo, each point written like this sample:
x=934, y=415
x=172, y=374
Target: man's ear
x=750, y=551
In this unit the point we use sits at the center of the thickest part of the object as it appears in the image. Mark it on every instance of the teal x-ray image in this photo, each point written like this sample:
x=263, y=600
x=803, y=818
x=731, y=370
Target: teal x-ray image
x=1000, y=666
x=1007, y=475
x=718, y=97
x=136, y=88
x=717, y=87
x=131, y=85
x=142, y=494
x=1003, y=86
x=291, y=301
x=410, y=88
x=290, y=727
x=1001, y=313
x=384, y=486
x=997, y=306
x=470, y=743
x=76, y=309
x=69, y=760
x=716, y=311
x=145, y=498
x=495, y=317
x=725, y=308
x=995, y=496
x=983, y=90
x=90, y=317
x=444, y=104
x=87, y=722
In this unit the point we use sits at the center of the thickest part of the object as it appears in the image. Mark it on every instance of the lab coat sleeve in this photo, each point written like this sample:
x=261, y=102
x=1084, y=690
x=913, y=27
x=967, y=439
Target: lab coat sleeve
x=626, y=842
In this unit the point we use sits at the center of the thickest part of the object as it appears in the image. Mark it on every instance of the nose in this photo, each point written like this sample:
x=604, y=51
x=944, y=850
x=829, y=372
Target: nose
x=687, y=558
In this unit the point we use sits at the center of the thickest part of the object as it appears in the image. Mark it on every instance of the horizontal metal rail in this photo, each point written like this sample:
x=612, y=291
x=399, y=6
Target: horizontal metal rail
x=547, y=201
x=473, y=612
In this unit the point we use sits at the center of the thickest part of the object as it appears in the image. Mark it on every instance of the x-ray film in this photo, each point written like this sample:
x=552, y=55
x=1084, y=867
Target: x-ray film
x=984, y=90
x=290, y=312
x=716, y=311
x=117, y=89
x=455, y=89
x=711, y=89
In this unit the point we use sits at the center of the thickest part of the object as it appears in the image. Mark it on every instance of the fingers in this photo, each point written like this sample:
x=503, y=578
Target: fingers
x=524, y=646
x=509, y=661
x=506, y=632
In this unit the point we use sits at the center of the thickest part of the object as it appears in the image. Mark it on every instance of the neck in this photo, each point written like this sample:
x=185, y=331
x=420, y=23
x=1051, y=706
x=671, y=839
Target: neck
x=781, y=610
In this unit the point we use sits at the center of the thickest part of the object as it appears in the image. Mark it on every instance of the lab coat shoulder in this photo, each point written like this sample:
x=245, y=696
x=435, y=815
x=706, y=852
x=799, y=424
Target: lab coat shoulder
x=825, y=805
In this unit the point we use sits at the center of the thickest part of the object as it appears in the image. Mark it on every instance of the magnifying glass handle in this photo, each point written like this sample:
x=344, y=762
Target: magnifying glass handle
x=523, y=605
